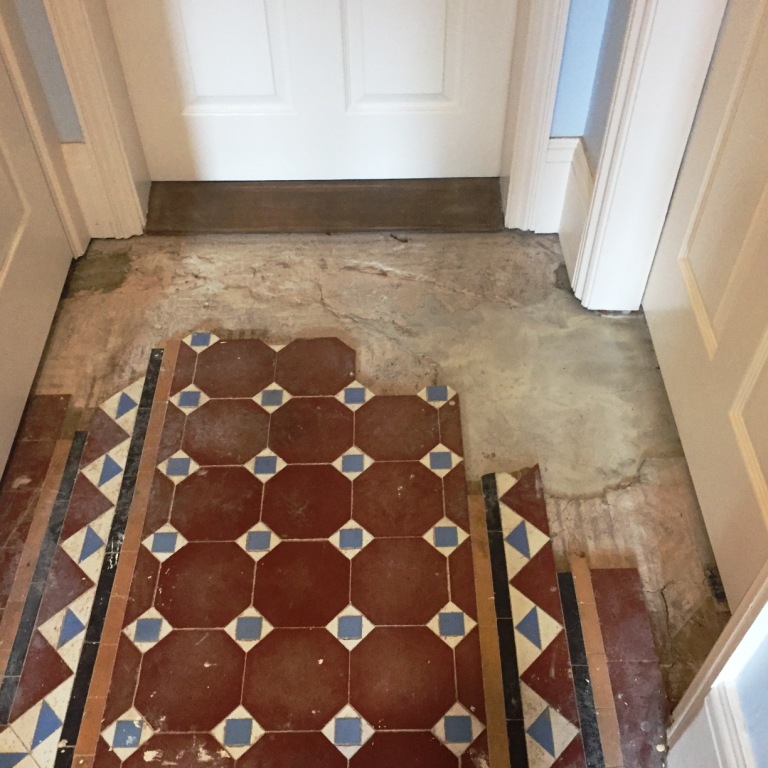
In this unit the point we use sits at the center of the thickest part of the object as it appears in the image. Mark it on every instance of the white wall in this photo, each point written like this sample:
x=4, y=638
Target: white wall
x=605, y=78
x=581, y=52
x=45, y=56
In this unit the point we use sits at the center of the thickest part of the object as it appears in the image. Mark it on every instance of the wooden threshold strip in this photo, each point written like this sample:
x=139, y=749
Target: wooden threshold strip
x=398, y=205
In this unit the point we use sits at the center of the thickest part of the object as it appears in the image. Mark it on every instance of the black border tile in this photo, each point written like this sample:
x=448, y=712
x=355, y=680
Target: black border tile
x=585, y=701
x=39, y=577
x=74, y=717
x=518, y=751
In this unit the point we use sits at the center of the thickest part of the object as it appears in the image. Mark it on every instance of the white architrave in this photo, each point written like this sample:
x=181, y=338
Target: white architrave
x=108, y=168
x=667, y=52
x=539, y=40
x=41, y=128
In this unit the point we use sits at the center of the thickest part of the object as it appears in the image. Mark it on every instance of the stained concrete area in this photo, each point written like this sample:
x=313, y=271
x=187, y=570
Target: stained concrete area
x=540, y=378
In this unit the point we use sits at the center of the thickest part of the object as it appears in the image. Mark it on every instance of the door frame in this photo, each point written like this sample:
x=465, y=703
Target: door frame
x=620, y=237
x=42, y=130
x=115, y=203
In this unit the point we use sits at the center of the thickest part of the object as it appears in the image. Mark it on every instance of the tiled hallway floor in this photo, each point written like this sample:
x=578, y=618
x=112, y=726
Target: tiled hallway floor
x=249, y=559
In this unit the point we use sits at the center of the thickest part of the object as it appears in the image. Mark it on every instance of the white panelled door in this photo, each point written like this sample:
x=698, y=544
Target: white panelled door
x=707, y=299
x=34, y=259
x=317, y=89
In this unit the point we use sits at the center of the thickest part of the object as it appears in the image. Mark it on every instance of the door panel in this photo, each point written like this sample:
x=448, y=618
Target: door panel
x=34, y=259
x=317, y=89
x=706, y=304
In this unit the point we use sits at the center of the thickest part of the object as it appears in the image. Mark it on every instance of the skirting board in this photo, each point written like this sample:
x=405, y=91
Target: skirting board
x=575, y=207
x=550, y=191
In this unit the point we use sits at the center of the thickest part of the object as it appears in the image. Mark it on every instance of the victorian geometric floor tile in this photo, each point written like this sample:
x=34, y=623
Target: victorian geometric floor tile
x=542, y=709
x=268, y=565
x=47, y=674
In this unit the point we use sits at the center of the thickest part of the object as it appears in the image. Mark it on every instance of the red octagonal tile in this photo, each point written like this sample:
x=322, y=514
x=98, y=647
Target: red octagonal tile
x=205, y=585
x=396, y=427
x=402, y=678
x=226, y=432
x=180, y=749
x=401, y=498
x=217, y=504
x=238, y=368
x=315, y=366
x=307, y=502
x=415, y=749
x=296, y=679
x=399, y=581
x=302, y=584
x=293, y=750
x=190, y=681
x=311, y=430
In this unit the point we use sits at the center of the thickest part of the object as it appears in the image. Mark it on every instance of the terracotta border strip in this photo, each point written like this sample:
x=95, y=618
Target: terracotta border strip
x=11, y=618
x=607, y=721
x=490, y=654
x=95, y=703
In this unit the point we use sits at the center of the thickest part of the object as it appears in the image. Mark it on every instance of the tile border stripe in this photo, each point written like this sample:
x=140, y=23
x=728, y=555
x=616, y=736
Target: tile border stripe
x=585, y=701
x=495, y=719
x=518, y=753
x=85, y=667
x=34, y=596
x=81, y=749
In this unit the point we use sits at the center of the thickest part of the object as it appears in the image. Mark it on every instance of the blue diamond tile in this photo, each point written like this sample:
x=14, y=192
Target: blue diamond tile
x=189, y=399
x=125, y=404
x=441, y=460
x=92, y=542
x=518, y=538
x=541, y=732
x=350, y=627
x=354, y=395
x=458, y=729
x=127, y=733
x=528, y=627
x=164, y=542
x=249, y=628
x=437, y=394
x=71, y=627
x=109, y=470
x=47, y=724
x=178, y=467
x=265, y=465
x=351, y=538
x=238, y=732
x=147, y=630
x=352, y=464
x=10, y=759
x=347, y=731
x=451, y=624
x=446, y=536
x=258, y=541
